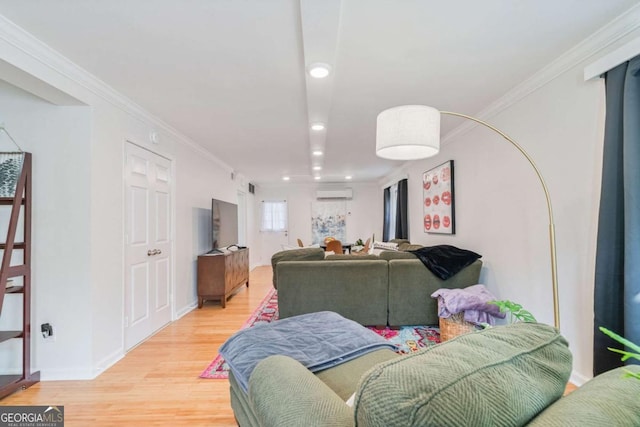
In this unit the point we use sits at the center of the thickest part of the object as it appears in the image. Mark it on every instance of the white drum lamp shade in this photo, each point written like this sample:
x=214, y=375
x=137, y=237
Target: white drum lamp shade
x=408, y=132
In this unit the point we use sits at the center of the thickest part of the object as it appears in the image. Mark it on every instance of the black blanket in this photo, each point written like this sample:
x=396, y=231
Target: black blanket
x=444, y=260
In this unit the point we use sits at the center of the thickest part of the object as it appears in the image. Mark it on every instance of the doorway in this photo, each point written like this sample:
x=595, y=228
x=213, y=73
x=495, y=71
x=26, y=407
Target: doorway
x=148, y=244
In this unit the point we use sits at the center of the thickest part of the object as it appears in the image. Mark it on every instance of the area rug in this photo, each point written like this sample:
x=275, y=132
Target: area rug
x=407, y=339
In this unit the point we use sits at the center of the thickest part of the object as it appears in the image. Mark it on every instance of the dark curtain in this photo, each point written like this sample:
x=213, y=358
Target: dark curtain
x=617, y=278
x=402, y=220
x=387, y=214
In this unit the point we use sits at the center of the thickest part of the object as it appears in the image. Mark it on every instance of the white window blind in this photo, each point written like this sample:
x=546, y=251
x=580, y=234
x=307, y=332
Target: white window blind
x=274, y=215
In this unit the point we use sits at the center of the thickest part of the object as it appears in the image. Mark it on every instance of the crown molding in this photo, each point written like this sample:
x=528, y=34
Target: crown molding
x=592, y=45
x=624, y=53
x=37, y=50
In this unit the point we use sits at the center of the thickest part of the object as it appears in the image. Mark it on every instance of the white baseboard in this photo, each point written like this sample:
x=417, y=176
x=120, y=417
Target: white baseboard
x=578, y=379
x=66, y=374
x=186, y=310
x=108, y=362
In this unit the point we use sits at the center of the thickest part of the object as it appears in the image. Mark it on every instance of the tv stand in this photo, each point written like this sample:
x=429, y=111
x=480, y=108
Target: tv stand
x=221, y=275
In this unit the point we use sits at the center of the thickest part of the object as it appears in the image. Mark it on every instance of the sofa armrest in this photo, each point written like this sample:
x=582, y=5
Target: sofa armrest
x=284, y=393
x=609, y=399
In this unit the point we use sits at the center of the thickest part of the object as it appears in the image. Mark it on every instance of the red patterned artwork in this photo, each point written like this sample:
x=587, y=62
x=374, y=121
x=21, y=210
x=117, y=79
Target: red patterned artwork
x=438, y=199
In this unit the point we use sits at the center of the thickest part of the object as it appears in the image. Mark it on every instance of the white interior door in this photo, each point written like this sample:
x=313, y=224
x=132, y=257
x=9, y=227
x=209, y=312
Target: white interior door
x=148, y=244
x=274, y=233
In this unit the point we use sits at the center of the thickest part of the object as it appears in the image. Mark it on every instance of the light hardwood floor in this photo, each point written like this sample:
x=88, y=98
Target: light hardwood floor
x=157, y=382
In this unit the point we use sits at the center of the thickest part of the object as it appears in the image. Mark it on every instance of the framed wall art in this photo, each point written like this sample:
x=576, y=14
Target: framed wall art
x=328, y=219
x=438, y=199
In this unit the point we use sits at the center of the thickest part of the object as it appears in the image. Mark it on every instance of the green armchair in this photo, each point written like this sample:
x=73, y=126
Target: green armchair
x=505, y=376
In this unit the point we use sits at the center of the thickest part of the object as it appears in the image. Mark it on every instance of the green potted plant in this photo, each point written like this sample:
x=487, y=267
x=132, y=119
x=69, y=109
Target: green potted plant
x=516, y=312
x=626, y=355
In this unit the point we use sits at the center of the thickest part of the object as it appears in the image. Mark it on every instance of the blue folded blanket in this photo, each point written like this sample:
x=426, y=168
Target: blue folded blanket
x=316, y=340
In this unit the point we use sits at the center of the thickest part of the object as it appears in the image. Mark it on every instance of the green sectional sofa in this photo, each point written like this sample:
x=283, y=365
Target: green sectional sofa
x=504, y=376
x=391, y=289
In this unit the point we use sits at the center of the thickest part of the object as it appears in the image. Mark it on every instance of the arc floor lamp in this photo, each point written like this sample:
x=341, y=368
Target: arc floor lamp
x=411, y=132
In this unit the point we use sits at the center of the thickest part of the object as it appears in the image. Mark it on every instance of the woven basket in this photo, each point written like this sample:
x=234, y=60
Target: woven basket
x=451, y=327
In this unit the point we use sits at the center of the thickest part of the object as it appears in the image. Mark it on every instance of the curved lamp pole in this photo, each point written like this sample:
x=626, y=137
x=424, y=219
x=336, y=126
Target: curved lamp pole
x=412, y=132
x=552, y=232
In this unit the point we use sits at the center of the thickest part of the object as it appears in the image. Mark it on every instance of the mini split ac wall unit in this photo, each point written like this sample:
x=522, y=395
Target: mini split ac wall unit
x=345, y=193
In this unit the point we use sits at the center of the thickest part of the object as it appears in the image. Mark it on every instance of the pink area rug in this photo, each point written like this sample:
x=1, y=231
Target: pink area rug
x=407, y=339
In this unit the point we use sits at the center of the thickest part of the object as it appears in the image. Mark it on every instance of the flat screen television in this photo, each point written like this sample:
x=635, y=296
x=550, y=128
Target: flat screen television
x=224, y=224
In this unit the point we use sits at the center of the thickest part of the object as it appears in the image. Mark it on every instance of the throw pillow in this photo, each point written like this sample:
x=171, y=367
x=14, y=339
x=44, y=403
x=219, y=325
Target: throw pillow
x=387, y=246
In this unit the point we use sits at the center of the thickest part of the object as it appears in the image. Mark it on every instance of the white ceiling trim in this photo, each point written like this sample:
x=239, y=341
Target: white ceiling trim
x=25, y=42
x=612, y=60
x=609, y=34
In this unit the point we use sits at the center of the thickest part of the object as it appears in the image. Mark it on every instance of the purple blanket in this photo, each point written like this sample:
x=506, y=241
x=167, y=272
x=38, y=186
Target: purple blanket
x=473, y=300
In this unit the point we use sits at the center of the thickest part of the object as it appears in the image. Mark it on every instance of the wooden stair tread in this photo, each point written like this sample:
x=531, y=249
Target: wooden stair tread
x=16, y=245
x=9, y=201
x=14, y=290
x=7, y=335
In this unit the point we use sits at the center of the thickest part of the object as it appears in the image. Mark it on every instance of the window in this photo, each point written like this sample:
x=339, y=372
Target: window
x=393, y=212
x=274, y=215
x=395, y=225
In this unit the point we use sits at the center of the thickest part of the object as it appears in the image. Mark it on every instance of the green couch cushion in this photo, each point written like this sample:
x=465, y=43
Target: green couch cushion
x=344, y=378
x=502, y=376
x=409, y=247
x=389, y=255
x=349, y=257
x=302, y=254
x=609, y=399
x=411, y=285
x=357, y=289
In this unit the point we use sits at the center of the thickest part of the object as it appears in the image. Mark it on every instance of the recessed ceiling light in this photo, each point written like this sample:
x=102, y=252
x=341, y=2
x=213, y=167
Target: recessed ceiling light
x=319, y=70
x=316, y=178
x=317, y=126
x=348, y=177
x=317, y=168
x=317, y=153
x=286, y=178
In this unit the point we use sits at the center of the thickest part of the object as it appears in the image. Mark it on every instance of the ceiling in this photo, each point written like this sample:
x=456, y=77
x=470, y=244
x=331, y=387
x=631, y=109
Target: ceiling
x=231, y=74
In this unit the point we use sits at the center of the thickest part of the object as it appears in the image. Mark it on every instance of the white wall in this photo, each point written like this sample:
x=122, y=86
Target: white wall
x=58, y=139
x=364, y=212
x=500, y=206
x=79, y=252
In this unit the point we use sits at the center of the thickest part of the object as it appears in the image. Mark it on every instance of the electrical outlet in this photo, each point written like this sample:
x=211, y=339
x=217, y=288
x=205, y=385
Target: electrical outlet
x=47, y=332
